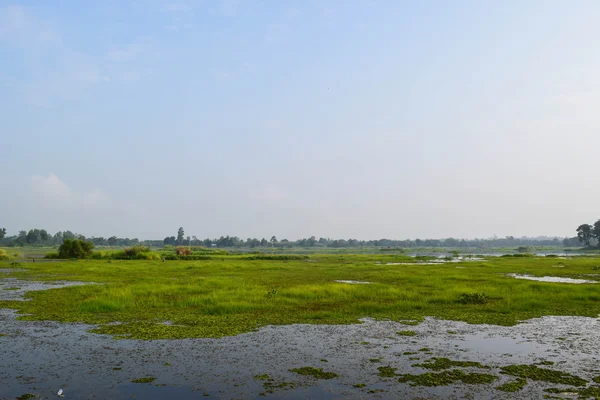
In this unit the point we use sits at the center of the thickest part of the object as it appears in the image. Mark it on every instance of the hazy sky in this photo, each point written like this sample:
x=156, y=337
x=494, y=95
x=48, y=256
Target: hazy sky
x=353, y=119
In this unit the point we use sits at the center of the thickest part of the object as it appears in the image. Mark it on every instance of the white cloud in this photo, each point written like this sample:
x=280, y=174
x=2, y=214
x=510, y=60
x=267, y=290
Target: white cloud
x=51, y=192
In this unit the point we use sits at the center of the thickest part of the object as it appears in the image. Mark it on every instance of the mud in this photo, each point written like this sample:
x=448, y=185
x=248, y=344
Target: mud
x=41, y=357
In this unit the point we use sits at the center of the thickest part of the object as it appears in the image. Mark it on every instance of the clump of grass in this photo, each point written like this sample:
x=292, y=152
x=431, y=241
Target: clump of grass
x=438, y=364
x=473, y=298
x=535, y=373
x=410, y=322
x=147, y=379
x=27, y=396
x=545, y=362
x=513, y=386
x=375, y=360
x=363, y=342
x=324, y=360
x=117, y=369
x=359, y=385
x=591, y=392
x=409, y=353
x=406, y=333
x=387, y=372
x=452, y=332
x=426, y=349
x=317, y=373
x=446, y=378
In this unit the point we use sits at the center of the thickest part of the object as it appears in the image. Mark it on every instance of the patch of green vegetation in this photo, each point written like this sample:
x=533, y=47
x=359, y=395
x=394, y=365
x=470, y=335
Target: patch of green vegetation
x=314, y=372
x=596, y=379
x=3, y=334
x=473, y=298
x=591, y=392
x=414, y=358
x=263, y=377
x=324, y=360
x=561, y=338
x=147, y=379
x=438, y=364
x=406, y=333
x=226, y=296
x=409, y=353
x=446, y=378
x=513, y=386
x=545, y=362
x=413, y=323
x=387, y=372
x=117, y=369
x=535, y=373
x=425, y=349
x=375, y=360
x=373, y=391
x=452, y=332
x=363, y=342
x=11, y=288
x=27, y=396
x=359, y=385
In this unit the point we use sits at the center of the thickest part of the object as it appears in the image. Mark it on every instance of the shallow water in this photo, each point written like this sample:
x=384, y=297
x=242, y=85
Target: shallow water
x=40, y=357
x=554, y=279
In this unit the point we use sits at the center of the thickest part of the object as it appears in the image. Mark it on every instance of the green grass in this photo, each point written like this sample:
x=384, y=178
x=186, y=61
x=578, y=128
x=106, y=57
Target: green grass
x=147, y=379
x=535, y=373
x=314, y=372
x=229, y=295
x=446, y=378
x=438, y=364
x=407, y=333
x=513, y=386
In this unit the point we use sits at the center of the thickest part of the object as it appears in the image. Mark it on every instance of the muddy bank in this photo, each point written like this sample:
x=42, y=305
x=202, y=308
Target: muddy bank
x=41, y=357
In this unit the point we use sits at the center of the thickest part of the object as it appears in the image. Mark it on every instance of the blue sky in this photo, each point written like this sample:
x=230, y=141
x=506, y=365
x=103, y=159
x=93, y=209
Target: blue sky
x=360, y=119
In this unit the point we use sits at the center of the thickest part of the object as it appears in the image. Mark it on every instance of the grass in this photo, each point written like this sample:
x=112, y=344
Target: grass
x=407, y=333
x=446, y=378
x=536, y=373
x=147, y=379
x=438, y=364
x=230, y=295
x=317, y=373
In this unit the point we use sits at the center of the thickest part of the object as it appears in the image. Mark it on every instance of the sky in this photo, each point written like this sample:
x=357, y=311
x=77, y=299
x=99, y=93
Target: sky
x=334, y=118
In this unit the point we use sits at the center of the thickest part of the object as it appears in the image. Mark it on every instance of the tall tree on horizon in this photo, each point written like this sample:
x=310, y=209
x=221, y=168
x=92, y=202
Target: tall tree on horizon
x=585, y=233
x=180, y=234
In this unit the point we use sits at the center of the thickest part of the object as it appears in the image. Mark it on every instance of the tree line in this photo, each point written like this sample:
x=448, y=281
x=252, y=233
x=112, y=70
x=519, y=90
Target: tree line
x=41, y=237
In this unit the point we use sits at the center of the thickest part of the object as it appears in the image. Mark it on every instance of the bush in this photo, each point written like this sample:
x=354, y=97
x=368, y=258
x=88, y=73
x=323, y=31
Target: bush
x=135, y=250
x=183, y=251
x=52, y=255
x=3, y=255
x=75, y=249
x=473, y=298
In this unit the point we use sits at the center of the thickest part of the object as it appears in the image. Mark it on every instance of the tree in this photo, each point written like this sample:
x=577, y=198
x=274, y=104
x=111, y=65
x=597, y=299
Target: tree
x=44, y=235
x=585, y=233
x=180, y=234
x=273, y=240
x=32, y=236
x=596, y=231
x=112, y=241
x=75, y=248
x=2, y=233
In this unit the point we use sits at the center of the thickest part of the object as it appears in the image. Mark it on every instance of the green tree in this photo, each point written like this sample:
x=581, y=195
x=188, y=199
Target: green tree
x=596, y=231
x=112, y=241
x=585, y=233
x=2, y=233
x=273, y=240
x=75, y=248
x=44, y=235
x=180, y=234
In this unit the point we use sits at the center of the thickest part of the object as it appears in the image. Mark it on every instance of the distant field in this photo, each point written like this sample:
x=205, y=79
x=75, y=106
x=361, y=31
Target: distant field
x=229, y=295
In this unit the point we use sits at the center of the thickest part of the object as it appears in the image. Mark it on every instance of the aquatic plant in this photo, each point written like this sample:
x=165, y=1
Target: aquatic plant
x=438, y=364
x=147, y=379
x=317, y=373
x=406, y=333
x=446, y=378
x=536, y=373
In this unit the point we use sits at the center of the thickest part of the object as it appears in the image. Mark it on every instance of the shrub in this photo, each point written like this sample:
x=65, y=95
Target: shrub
x=133, y=251
x=75, y=249
x=3, y=255
x=183, y=251
x=52, y=255
x=473, y=298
